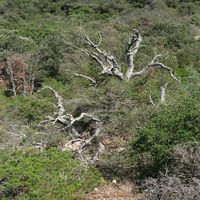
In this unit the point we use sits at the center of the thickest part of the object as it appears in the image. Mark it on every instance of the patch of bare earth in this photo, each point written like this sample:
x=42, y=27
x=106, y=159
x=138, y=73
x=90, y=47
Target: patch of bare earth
x=114, y=191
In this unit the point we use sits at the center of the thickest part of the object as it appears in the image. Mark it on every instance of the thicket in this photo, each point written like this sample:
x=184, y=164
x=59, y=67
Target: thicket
x=171, y=126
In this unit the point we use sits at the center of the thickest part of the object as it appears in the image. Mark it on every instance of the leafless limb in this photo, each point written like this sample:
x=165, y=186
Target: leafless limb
x=78, y=144
x=156, y=64
x=104, y=58
x=59, y=115
x=150, y=99
x=93, y=82
x=110, y=66
x=133, y=46
x=108, y=62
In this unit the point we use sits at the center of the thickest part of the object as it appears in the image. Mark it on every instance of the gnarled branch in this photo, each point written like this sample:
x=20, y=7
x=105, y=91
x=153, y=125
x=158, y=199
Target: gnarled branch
x=78, y=144
x=110, y=66
x=93, y=82
x=133, y=46
x=156, y=64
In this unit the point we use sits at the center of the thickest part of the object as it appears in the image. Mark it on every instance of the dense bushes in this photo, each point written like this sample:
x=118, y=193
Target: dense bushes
x=140, y=3
x=171, y=187
x=47, y=175
x=173, y=35
x=27, y=109
x=171, y=126
x=181, y=180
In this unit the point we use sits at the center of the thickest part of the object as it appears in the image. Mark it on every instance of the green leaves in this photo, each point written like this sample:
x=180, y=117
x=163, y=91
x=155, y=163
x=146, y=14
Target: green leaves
x=171, y=126
x=48, y=175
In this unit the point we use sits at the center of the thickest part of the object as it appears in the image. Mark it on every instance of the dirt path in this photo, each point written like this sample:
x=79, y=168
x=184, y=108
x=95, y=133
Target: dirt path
x=114, y=191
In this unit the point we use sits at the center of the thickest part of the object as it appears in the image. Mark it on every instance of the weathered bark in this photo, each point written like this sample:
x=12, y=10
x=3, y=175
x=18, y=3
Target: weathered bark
x=77, y=144
x=133, y=46
x=93, y=82
x=105, y=59
x=156, y=64
x=109, y=64
x=163, y=93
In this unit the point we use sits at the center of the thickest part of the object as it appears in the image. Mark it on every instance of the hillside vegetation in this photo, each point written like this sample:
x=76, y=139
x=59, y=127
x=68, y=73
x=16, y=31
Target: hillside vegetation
x=69, y=123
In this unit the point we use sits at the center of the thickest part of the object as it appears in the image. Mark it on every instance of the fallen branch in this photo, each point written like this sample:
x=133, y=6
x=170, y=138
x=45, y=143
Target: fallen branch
x=78, y=143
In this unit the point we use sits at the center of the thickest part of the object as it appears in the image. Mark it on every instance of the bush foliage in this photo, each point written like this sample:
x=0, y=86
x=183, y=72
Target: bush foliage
x=171, y=126
x=47, y=175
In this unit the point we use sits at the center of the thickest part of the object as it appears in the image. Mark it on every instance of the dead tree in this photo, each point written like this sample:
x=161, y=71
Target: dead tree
x=16, y=75
x=78, y=143
x=109, y=64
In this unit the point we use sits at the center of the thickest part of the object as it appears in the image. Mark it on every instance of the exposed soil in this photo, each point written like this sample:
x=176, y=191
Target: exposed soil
x=114, y=191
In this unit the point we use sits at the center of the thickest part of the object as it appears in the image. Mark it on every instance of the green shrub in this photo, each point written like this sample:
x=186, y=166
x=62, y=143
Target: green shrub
x=187, y=9
x=48, y=175
x=173, y=35
x=172, y=125
x=23, y=8
x=140, y=3
x=195, y=19
x=51, y=55
x=172, y=3
x=28, y=109
x=12, y=41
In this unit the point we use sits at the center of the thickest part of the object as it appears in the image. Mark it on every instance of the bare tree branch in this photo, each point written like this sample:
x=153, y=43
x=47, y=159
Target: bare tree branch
x=59, y=101
x=104, y=58
x=150, y=99
x=110, y=66
x=78, y=144
x=161, y=65
x=163, y=93
x=133, y=46
x=89, y=41
x=94, y=83
x=156, y=64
